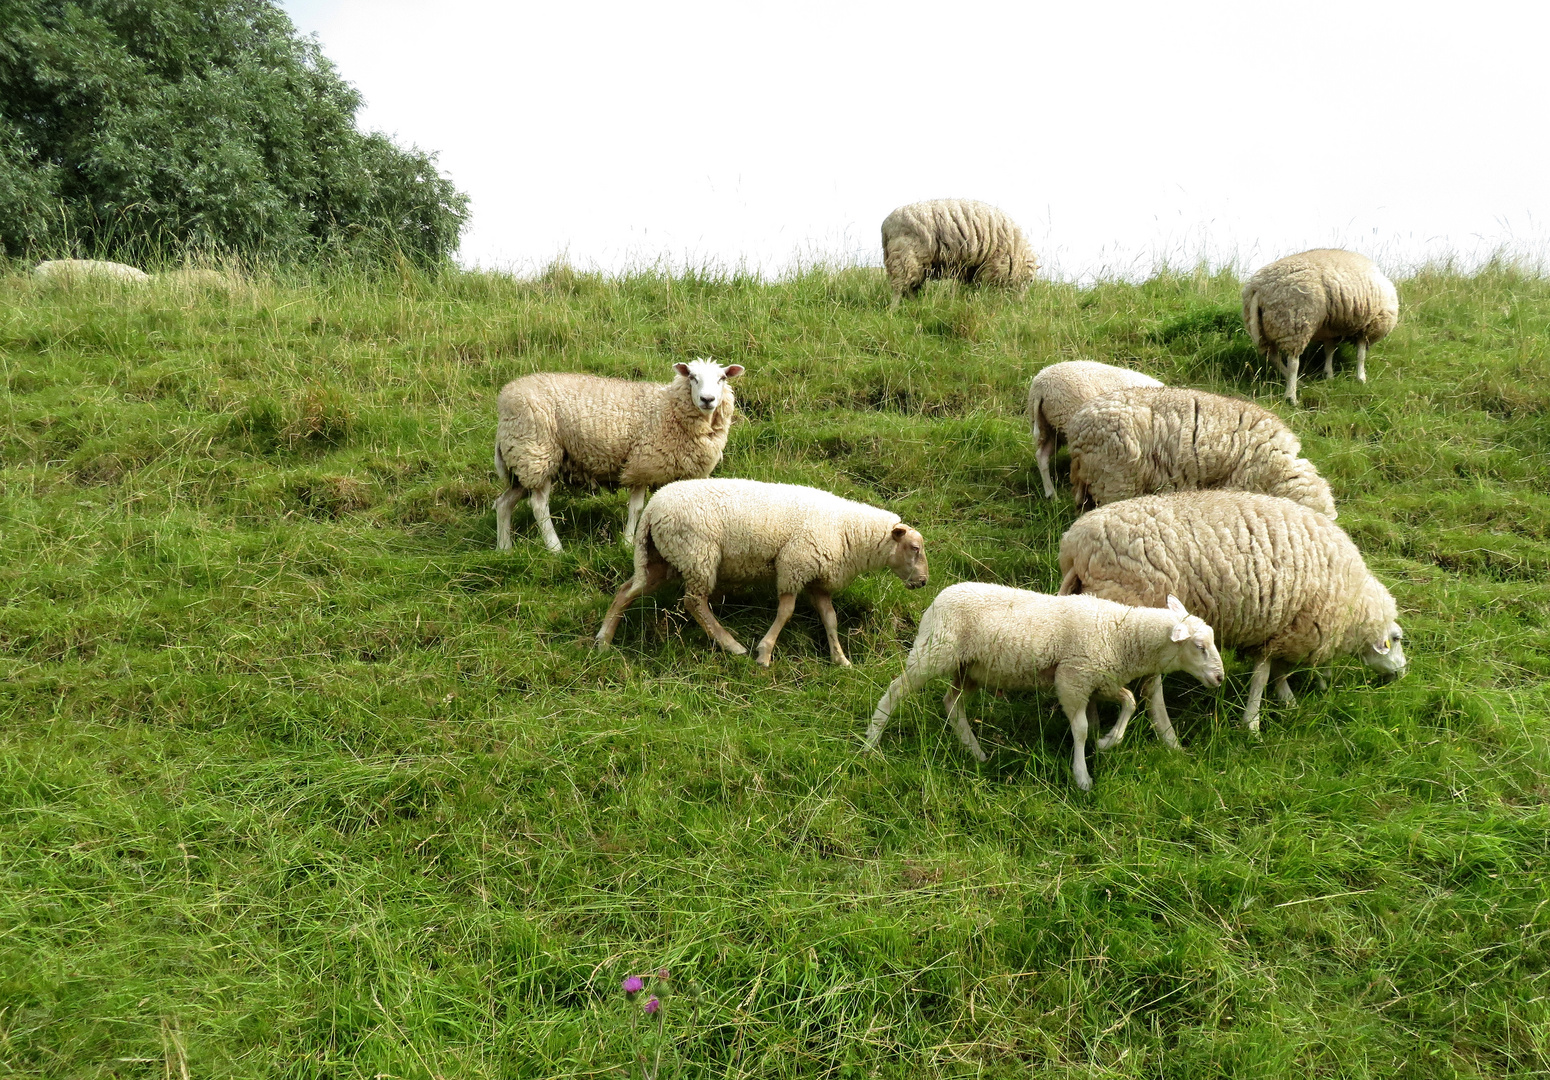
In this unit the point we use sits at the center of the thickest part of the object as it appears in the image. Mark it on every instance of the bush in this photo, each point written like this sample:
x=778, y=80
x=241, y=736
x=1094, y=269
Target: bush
x=141, y=129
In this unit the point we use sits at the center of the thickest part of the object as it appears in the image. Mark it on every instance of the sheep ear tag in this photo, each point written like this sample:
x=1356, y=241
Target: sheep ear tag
x=1382, y=648
x=1180, y=632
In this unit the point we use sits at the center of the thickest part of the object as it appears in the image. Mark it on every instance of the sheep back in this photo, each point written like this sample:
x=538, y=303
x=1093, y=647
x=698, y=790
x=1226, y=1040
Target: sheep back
x=963, y=239
x=70, y=269
x=1157, y=439
x=746, y=531
x=1266, y=573
x=1322, y=295
x=1061, y=389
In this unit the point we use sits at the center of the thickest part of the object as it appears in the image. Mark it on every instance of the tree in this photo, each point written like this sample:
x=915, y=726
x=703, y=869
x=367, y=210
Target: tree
x=149, y=127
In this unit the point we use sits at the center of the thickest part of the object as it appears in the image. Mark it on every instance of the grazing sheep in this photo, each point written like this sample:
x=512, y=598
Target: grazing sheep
x=590, y=429
x=1326, y=295
x=990, y=635
x=714, y=532
x=1059, y=390
x=1156, y=439
x=77, y=269
x=954, y=238
x=1268, y=574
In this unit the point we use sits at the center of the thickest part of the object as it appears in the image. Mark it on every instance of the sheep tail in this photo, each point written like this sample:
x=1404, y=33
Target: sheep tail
x=1251, y=318
x=500, y=464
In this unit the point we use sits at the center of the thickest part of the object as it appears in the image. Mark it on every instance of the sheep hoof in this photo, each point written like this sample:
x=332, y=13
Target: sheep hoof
x=736, y=650
x=1085, y=783
x=761, y=656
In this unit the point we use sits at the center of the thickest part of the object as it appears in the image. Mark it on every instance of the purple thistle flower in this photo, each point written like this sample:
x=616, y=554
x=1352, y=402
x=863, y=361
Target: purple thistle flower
x=633, y=985
x=651, y=1006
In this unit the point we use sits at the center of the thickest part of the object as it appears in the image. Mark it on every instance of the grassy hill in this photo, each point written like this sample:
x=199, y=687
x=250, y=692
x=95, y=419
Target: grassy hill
x=300, y=777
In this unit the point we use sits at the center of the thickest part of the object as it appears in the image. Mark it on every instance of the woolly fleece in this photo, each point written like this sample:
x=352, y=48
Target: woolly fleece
x=56, y=269
x=954, y=238
x=1059, y=390
x=1157, y=439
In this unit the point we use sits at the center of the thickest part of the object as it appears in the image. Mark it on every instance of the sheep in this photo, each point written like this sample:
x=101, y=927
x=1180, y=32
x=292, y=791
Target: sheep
x=1155, y=439
x=954, y=238
x=1059, y=390
x=991, y=635
x=1325, y=295
x=713, y=532
x=1271, y=576
x=587, y=428
x=77, y=269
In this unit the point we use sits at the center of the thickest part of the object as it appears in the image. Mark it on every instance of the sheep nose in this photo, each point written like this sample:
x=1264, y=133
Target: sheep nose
x=706, y=402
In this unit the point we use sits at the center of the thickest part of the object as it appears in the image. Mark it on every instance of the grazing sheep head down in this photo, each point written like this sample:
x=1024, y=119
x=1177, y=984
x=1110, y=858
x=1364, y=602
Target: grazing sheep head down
x=1388, y=655
x=908, y=558
x=707, y=382
x=1194, y=646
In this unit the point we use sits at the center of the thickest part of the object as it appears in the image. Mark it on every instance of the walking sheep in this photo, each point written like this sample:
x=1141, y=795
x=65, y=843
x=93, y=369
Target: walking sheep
x=1269, y=575
x=1326, y=295
x=1059, y=390
x=1156, y=439
x=990, y=635
x=590, y=429
x=970, y=241
x=713, y=532
x=79, y=269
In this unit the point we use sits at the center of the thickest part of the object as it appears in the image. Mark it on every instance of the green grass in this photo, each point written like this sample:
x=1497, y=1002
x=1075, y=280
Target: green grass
x=300, y=777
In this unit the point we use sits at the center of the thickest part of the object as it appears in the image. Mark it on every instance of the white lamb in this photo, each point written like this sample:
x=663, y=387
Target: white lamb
x=78, y=269
x=589, y=429
x=970, y=241
x=990, y=635
x=1169, y=438
x=1059, y=390
x=1271, y=576
x=718, y=532
x=1324, y=295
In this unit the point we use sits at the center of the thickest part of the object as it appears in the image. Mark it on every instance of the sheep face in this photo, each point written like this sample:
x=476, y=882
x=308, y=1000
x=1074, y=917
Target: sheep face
x=1194, y=646
x=1388, y=655
x=907, y=559
x=707, y=382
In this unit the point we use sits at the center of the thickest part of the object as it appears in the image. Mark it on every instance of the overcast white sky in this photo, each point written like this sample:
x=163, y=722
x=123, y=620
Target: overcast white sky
x=1119, y=135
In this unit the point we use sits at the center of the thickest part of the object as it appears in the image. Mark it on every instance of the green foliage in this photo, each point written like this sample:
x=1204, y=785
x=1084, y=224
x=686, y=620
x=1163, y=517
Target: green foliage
x=300, y=777
x=145, y=128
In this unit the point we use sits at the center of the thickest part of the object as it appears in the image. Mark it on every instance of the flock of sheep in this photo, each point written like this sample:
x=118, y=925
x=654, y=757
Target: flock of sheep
x=1206, y=528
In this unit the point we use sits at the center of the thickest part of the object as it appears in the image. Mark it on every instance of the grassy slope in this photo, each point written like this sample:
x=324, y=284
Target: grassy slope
x=299, y=777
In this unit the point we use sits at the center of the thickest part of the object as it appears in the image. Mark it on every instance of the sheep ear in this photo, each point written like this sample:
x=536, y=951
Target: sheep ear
x=1177, y=608
x=1180, y=632
x=1382, y=647
x=734, y=371
x=900, y=531
x=682, y=369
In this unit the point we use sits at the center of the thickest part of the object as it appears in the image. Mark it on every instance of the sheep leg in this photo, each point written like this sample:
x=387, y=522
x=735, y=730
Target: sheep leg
x=658, y=570
x=1075, y=704
x=1127, y=709
x=1274, y=357
x=915, y=675
x=1049, y=441
x=637, y=504
x=504, y=505
x=1361, y=361
x=540, y=502
x=953, y=702
x=766, y=646
x=1283, y=689
x=1256, y=692
x=1157, y=710
x=700, y=609
x=1329, y=358
x=1322, y=676
x=1292, y=363
x=824, y=602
